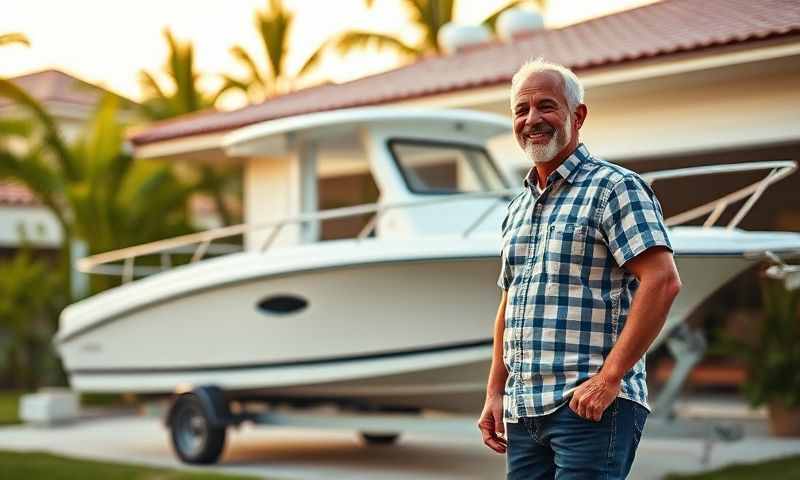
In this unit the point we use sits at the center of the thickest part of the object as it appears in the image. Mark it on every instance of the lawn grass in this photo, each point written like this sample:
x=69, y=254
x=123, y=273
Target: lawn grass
x=25, y=466
x=788, y=467
x=9, y=406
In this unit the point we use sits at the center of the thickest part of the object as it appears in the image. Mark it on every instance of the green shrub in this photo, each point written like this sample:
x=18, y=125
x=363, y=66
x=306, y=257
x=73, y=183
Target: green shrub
x=772, y=353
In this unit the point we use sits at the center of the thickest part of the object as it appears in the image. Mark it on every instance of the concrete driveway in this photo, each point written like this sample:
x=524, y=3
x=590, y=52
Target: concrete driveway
x=290, y=453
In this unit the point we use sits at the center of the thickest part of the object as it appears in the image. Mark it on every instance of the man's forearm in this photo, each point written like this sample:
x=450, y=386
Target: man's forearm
x=498, y=372
x=648, y=312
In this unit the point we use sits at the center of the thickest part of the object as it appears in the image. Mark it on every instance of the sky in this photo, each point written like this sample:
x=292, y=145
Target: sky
x=107, y=42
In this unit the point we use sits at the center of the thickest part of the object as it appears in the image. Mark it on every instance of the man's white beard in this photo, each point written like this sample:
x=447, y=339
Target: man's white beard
x=539, y=153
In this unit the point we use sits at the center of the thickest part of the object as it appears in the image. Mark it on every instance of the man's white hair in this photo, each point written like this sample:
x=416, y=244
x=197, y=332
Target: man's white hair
x=573, y=89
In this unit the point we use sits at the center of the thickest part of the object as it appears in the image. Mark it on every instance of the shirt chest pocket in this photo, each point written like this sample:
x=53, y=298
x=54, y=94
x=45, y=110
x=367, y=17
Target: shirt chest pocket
x=567, y=244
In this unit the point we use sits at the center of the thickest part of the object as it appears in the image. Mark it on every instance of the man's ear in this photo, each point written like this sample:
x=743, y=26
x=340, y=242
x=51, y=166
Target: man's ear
x=580, y=115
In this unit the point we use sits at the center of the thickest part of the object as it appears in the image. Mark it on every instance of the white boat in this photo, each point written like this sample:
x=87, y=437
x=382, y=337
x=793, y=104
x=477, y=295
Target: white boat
x=399, y=317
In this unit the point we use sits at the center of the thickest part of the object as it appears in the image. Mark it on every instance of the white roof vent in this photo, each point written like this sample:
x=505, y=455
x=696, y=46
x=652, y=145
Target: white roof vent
x=518, y=21
x=453, y=37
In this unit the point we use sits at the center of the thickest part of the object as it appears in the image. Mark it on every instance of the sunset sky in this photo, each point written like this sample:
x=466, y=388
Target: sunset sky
x=107, y=42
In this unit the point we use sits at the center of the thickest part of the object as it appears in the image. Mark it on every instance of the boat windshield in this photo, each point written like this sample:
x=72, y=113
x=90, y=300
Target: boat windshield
x=433, y=167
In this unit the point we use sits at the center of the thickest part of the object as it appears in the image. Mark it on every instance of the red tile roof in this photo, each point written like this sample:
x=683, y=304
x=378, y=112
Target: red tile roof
x=654, y=30
x=15, y=195
x=54, y=85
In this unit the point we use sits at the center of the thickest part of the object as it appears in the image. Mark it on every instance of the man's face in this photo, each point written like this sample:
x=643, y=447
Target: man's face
x=543, y=125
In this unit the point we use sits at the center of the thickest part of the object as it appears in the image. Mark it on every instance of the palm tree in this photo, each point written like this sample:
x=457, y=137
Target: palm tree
x=274, y=26
x=428, y=17
x=188, y=97
x=96, y=192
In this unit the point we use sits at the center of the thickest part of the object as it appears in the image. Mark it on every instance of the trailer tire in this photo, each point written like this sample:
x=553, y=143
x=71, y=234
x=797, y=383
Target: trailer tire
x=379, y=438
x=196, y=439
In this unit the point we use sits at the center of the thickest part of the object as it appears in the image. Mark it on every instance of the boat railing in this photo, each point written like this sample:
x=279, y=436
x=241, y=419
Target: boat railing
x=108, y=263
x=778, y=170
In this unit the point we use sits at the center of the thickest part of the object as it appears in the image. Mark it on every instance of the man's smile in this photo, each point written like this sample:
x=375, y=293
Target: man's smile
x=541, y=133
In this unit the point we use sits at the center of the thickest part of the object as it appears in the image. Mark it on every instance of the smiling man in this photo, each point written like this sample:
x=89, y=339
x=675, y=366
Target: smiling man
x=587, y=279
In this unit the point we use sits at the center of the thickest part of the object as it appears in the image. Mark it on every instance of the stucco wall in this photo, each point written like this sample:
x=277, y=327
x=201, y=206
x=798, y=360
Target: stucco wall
x=41, y=227
x=740, y=106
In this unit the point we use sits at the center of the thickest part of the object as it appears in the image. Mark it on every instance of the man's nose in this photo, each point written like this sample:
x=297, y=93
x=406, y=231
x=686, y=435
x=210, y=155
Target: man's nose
x=533, y=117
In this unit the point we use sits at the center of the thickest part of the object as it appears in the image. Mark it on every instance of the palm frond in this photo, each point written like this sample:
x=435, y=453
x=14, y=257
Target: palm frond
x=245, y=59
x=16, y=127
x=273, y=28
x=52, y=134
x=180, y=66
x=102, y=137
x=149, y=85
x=312, y=62
x=33, y=171
x=102, y=147
x=429, y=16
x=360, y=39
x=152, y=187
x=231, y=83
x=11, y=38
x=156, y=105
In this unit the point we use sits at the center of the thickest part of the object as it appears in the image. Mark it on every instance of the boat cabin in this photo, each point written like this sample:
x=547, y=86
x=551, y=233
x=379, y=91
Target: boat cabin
x=388, y=156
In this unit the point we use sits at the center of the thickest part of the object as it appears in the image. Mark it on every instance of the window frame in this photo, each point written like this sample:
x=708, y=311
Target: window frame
x=392, y=142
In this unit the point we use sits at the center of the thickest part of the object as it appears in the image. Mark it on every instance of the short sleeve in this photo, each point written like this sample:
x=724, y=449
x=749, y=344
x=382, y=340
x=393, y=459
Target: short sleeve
x=632, y=221
x=504, y=280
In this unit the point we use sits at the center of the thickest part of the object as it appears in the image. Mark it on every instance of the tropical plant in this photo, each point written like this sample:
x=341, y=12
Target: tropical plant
x=427, y=17
x=772, y=352
x=186, y=97
x=185, y=94
x=98, y=195
x=30, y=298
x=274, y=26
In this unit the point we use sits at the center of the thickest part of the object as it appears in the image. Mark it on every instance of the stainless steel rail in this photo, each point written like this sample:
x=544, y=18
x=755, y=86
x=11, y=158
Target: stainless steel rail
x=104, y=263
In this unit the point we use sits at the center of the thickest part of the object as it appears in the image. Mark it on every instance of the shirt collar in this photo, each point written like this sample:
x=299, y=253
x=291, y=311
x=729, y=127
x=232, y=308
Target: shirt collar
x=566, y=170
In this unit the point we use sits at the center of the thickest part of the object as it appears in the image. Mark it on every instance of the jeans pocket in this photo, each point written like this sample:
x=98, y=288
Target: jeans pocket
x=608, y=413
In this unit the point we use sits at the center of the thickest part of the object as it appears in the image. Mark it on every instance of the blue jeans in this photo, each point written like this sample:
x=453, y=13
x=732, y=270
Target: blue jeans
x=563, y=446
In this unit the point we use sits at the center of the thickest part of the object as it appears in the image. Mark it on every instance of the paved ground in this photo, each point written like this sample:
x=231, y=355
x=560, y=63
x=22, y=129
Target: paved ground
x=289, y=453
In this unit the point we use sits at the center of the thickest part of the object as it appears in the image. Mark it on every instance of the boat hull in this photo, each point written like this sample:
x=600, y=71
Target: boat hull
x=396, y=334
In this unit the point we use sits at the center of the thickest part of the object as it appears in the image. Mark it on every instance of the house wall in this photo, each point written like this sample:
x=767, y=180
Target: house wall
x=40, y=226
x=739, y=106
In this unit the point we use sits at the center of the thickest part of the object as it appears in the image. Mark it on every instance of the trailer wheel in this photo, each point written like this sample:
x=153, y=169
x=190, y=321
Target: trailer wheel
x=195, y=438
x=379, y=438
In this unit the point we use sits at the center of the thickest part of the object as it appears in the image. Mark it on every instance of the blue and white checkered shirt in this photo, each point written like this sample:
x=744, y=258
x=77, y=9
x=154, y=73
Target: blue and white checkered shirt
x=568, y=295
